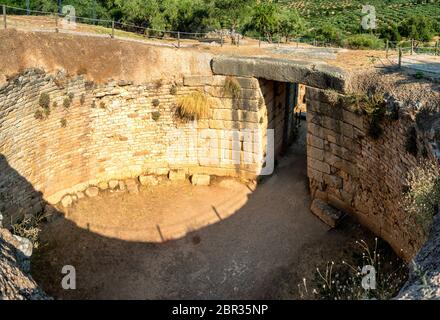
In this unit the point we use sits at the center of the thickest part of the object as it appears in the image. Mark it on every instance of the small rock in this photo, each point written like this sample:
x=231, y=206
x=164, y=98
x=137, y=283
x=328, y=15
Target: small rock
x=177, y=175
x=25, y=246
x=74, y=197
x=113, y=184
x=326, y=213
x=148, y=180
x=121, y=185
x=80, y=195
x=67, y=201
x=162, y=171
x=92, y=192
x=103, y=185
x=200, y=179
x=132, y=186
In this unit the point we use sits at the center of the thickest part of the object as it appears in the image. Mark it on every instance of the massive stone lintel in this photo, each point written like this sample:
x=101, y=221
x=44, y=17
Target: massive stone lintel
x=313, y=74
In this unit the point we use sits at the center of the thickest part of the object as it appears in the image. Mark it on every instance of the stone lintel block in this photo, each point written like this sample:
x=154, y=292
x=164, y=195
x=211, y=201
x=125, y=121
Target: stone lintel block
x=326, y=213
x=200, y=179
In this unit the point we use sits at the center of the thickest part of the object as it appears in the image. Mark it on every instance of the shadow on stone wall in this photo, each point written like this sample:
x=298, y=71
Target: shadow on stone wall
x=17, y=195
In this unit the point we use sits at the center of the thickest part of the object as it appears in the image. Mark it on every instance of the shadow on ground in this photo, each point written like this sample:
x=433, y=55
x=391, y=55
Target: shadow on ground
x=262, y=251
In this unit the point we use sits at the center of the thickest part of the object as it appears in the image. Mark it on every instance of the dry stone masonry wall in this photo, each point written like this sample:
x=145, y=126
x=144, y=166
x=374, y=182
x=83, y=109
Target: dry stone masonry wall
x=357, y=174
x=95, y=134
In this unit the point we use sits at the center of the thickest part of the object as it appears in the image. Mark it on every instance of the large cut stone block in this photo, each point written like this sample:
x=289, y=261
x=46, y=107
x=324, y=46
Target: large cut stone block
x=326, y=213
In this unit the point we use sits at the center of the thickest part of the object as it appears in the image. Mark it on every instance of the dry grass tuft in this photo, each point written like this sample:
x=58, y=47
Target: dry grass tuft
x=194, y=105
x=232, y=87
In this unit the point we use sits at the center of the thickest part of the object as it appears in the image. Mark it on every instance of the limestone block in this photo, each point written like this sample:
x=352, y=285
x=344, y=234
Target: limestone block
x=147, y=180
x=103, y=185
x=113, y=184
x=326, y=213
x=200, y=180
x=197, y=80
x=92, y=192
x=177, y=175
x=67, y=201
x=122, y=186
x=132, y=186
x=80, y=195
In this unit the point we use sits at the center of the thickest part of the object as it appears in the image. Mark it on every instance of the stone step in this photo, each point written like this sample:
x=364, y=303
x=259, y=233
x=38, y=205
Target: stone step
x=326, y=213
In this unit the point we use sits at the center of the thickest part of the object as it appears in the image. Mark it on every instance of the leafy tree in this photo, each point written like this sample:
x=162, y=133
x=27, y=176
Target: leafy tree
x=418, y=28
x=390, y=32
x=291, y=24
x=328, y=32
x=265, y=18
x=232, y=13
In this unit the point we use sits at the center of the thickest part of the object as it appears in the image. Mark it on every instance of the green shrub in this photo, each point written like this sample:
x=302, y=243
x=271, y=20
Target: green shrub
x=155, y=115
x=71, y=96
x=67, y=102
x=155, y=102
x=173, y=90
x=82, y=99
x=38, y=115
x=44, y=101
x=364, y=41
x=63, y=123
x=102, y=105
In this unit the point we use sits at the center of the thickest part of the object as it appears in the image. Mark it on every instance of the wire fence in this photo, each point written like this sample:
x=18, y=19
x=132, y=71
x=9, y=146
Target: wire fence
x=21, y=18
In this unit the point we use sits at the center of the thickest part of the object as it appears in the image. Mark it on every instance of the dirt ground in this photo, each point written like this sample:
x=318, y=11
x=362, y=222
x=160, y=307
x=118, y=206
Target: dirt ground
x=260, y=247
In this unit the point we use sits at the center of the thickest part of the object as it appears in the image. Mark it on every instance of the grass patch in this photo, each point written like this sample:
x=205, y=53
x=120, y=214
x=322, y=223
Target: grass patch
x=344, y=281
x=422, y=196
x=44, y=101
x=195, y=105
x=155, y=115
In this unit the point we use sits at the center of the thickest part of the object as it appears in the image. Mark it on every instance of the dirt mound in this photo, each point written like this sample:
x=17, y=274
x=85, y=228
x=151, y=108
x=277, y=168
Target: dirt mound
x=100, y=59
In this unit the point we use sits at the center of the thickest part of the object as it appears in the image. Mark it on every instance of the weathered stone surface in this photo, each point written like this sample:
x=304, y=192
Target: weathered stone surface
x=197, y=80
x=103, y=185
x=311, y=74
x=92, y=192
x=326, y=213
x=424, y=277
x=132, y=186
x=15, y=282
x=24, y=245
x=148, y=180
x=67, y=201
x=177, y=175
x=200, y=180
x=122, y=186
x=113, y=184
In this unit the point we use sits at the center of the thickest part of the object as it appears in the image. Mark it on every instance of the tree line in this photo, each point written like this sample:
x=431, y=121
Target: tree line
x=259, y=18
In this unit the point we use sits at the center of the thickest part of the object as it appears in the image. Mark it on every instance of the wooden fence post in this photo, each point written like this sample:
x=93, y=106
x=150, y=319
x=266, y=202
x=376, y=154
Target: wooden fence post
x=178, y=39
x=221, y=39
x=56, y=22
x=436, y=48
x=4, y=16
x=412, y=46
x=259, y=42
x=387, y=47
x=113, y=29
x=238, y=40
x=400, y=57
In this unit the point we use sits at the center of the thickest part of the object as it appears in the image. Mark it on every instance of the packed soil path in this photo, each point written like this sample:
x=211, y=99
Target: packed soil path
x=260, y=245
